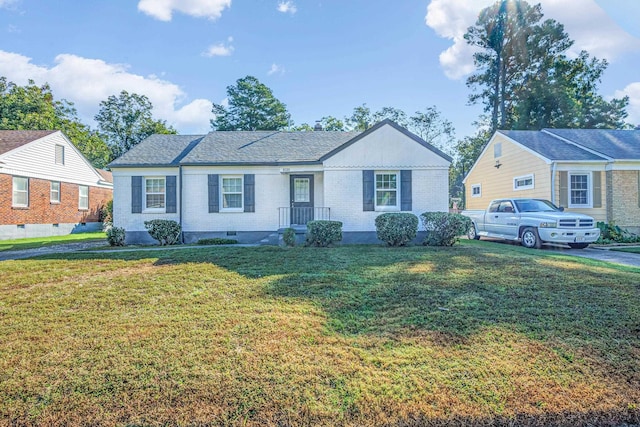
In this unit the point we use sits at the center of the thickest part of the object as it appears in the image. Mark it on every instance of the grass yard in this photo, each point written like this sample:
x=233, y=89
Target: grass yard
x=39, y=242
x=478, y=334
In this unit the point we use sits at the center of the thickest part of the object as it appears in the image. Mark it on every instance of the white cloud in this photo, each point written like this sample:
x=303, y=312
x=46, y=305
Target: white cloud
x=276, y=69
x=163, y=9
x=7, y=3
x=633, y=92
x=86, y=82
x=219, y=49
x=605, y=39
x=287, y=7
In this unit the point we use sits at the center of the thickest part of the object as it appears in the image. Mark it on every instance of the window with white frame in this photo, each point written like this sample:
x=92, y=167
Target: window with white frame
x=54, y=193
x=231, y=194
x=387, y=195
x=497, y=150
x=579, y=186
x=523, y=182
x=83, y=197
x=59, y=154
x=476, y=190
x=154, y=193
x=20, y=192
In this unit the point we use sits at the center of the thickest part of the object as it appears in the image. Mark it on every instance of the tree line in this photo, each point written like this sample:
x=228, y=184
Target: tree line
x=524, y=79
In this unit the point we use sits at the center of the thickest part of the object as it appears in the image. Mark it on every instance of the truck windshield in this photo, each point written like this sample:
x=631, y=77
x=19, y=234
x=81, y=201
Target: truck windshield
x=535, y=205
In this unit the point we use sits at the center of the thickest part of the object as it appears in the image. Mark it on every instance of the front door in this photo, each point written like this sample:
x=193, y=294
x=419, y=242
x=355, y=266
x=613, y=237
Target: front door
x=301, y=188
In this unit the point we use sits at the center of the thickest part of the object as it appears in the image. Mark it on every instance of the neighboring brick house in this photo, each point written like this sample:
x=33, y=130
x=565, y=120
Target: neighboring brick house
x=47, y=187
x=249, y=185
x=590, y=171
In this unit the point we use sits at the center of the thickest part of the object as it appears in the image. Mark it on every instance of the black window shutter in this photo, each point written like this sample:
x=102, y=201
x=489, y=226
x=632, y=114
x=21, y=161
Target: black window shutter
x=136, y=194
x=214, y=198
x=368, y=190
x=405, y=190
x=249, y=193
x=564, y=189
x=172, y=205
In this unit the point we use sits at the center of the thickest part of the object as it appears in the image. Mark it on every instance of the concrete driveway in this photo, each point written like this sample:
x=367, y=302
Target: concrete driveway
x=599, y=253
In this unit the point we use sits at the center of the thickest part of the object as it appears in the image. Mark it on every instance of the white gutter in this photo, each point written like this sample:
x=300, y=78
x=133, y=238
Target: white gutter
x=553, y=183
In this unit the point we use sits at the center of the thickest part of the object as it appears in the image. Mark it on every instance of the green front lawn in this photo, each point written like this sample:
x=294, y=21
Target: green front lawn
x=476, y=334
x=39, y=242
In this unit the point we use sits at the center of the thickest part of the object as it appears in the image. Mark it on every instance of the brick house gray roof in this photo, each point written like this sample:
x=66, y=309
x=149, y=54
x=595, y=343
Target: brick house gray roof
x=580, y=144
x=247, y=148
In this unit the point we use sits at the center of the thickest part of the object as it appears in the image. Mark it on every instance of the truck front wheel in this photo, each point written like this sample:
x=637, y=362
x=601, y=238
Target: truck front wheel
x=531, y=239
x=472, y=234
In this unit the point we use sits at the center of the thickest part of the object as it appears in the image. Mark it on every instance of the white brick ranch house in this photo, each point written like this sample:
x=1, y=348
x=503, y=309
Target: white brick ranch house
x=247, y=185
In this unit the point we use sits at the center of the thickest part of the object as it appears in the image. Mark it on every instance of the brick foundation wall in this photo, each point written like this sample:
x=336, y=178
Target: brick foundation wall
x=42, y=211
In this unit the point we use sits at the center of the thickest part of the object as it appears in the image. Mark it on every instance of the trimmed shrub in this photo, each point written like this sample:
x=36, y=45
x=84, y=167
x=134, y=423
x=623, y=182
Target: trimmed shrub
x=289, y=237
x=165, y=231
x=443, y=228
x=217, y=241
x=115, y=236
x=396, y=229
x=323, y=233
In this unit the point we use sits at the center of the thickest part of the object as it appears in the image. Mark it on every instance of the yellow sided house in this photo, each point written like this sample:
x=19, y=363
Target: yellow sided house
x=591, y=171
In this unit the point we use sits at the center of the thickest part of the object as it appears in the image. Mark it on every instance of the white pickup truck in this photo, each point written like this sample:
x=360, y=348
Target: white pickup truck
x=532, y=222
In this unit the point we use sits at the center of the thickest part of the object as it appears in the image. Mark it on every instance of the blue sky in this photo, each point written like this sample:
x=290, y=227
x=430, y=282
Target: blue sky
x=320, y=57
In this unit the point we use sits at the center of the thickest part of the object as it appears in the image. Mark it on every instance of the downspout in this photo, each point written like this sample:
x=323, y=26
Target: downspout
x=180, y=210
x=553, y=183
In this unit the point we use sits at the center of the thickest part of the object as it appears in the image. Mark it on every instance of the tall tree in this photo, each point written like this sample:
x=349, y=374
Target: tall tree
x=34, y=107
x=525, y=80
x=360, y=119
x=431, y=126
x=252, y=106
x=127, y=119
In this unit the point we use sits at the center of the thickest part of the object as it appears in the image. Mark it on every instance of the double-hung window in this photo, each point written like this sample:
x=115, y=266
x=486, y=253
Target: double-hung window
x=54, y=192
x=579, y=189
x=154, y=193
x=231, y=194
x=387, y=194
x=20, y=192
x=83, y=197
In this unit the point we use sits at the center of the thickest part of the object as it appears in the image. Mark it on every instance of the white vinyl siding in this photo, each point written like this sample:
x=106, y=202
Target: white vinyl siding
x=387, y=191
x=54, y=193
x=231, y=193
x=83, y=197
x=20, y=192
x=154, y=194
x=525, y=182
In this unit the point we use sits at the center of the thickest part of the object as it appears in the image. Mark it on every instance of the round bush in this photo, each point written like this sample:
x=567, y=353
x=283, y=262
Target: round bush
x=397, y=228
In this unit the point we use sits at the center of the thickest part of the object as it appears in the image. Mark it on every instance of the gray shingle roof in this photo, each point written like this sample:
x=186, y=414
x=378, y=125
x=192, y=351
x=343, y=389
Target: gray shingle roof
x=246, y=148
x=265, y=147
x=549, y=146
x=617, y=144
x=580, y=144
x=158, y=150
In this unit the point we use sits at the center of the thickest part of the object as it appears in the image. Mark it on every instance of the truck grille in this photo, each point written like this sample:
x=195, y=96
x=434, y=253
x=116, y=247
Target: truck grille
x=575, y=223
